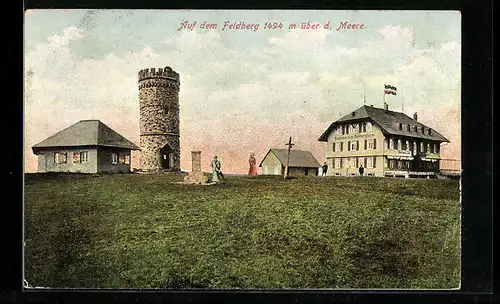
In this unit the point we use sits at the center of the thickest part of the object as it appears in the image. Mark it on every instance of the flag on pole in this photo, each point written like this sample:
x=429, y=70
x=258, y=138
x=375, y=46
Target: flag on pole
x=389, y=89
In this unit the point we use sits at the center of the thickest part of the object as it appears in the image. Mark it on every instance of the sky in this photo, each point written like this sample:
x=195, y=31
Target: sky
x=242, y=90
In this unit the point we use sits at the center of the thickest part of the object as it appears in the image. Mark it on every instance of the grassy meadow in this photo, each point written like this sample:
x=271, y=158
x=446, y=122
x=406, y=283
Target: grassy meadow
x=146, y=231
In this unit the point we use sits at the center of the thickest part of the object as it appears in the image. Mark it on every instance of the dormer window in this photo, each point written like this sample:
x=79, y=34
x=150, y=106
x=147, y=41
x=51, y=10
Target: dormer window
x=416, y=129
x=409, y=128
x=400, y=126
x=430, y=133
x=423, y=130
x=353, y=113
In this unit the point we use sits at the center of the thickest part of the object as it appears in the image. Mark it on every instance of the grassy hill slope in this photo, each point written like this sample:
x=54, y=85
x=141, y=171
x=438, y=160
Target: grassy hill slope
x=144, y=231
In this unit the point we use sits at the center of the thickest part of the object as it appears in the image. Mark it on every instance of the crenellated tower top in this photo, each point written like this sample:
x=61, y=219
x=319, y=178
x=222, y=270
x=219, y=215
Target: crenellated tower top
x=166, y=73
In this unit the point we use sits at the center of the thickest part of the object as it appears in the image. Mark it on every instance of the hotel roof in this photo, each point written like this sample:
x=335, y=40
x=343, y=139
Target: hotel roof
x=388, y=121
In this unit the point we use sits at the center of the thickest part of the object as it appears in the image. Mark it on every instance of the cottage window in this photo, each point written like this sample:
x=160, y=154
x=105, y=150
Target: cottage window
x=437, y=148
x=84, y=156
x=114, y=158
x=76, y=157
x=391, y=142
x=121, y=158
x=60, y=157
x=127, y=159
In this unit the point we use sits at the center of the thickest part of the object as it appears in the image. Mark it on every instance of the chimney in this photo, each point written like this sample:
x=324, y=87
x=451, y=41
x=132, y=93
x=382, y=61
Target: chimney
x=415, y=116
x=386, y=107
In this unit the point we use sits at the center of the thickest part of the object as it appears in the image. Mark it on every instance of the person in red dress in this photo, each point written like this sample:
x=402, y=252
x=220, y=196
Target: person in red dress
x=253, y=165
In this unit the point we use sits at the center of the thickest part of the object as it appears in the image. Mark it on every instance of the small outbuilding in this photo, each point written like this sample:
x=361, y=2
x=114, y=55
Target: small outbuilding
x=301, y=163
x=88, y=146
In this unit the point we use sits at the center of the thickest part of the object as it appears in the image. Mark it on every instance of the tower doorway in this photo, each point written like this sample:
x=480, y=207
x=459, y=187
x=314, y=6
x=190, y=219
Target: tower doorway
x=167, y=157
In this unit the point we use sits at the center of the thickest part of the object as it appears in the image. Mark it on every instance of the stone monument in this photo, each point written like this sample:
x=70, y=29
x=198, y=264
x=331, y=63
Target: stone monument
x=196, y=176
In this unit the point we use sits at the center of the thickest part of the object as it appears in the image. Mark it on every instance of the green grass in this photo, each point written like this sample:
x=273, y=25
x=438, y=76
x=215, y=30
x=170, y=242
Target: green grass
x=143, y=231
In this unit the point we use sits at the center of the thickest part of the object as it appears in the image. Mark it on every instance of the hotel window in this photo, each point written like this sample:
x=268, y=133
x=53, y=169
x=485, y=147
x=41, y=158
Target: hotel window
x=341, y=146
x=364, y=127
x=127, y=159
x=409, y=128
x=374, y=162
x=84, y=157
x=366, y=143
x=333, y=147
x=352, y=162
x=392, y=164
x=339, y=130
x=361, y=161
x=369, y=126
x=348, y=146
x=114, y=158
x=400, y=126
x=369, y=162
x=403, y=145
x=354, y=145
x=429, y=148
x=338, y=163
x=347, y=129
x=370, y=143
x=343, y=130
x=60, y=157
x=437, y=148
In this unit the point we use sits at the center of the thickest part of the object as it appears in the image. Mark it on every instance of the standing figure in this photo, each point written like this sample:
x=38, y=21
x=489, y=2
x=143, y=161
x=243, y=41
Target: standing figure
x=253, y=165
x=361, y=170
x=324, y=169
x=216, y=172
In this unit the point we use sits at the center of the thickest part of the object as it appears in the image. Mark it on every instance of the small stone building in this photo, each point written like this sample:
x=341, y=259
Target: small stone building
x=88, y=146
x=301, y=163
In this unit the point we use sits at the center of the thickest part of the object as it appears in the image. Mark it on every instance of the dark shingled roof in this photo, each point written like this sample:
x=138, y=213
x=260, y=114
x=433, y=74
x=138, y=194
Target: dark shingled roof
x=389, y=123
x=298, y=158
x=86, y=133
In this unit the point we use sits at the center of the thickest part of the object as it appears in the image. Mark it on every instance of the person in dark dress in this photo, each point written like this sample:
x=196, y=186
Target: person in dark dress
x=324, y=169
x=361, y=170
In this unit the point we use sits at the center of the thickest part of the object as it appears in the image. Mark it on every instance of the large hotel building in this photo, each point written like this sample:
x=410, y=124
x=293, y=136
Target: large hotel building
x=384, y=142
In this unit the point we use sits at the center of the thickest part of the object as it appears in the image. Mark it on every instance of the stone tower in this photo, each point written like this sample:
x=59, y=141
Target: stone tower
x=159, y=120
